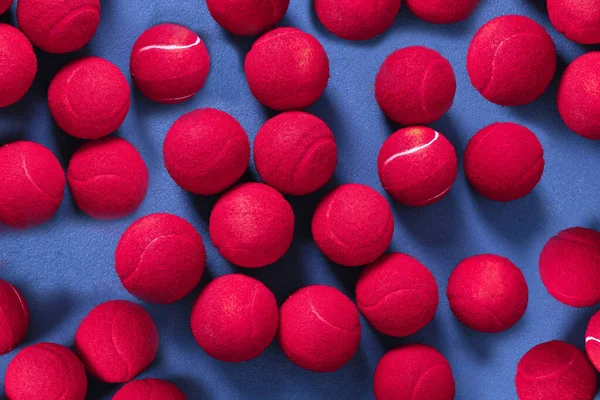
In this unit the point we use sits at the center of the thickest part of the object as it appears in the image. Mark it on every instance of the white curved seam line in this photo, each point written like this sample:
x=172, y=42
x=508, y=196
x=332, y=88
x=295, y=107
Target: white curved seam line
x=18, y=297
x=413, y=150
x=189, y=96
x=591, y=339
x=441, y=194
x=171, y=46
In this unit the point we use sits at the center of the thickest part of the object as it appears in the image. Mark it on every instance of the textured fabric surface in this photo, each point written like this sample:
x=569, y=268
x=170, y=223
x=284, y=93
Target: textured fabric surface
x=149, y=389
x=66, y=267
x=577, y=20
x=442, y=11
x=18, y=65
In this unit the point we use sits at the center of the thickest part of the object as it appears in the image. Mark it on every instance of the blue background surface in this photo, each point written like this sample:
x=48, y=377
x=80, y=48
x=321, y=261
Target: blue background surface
x=66, y=266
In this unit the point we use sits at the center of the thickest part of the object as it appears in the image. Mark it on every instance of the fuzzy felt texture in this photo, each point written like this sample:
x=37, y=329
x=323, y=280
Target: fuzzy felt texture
x=45, y=371
x=487, y=293
x=149, y=389
x=397, y=295
x=32, y=184
x=504, y=161
x=555, y=370
x=319, y=328
x=89, y=98
x=295, y=153
x=287, y=69
x=18, y=65
x=442, y=11
x=108, y=178
x=511, y=60
x=357, y=19
x=592, y=340
x=14, y=317
x=577, y=97
x=415, y=86
x=5, y=5
x=169, y=63
x=417, y=166
x=59, y=26
x=570, y=267
x=247, y=17
x=235, y=318
x=578, y=20
x=414, y=372
x=160, y=258
x=353, y=225
x=252, y=225
x=116, y=341
x=206, y=151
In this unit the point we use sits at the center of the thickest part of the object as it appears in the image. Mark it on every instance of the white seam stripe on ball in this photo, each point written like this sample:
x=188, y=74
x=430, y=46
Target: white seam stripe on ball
x=413, y=150
x=591, y=339
x=170, y=46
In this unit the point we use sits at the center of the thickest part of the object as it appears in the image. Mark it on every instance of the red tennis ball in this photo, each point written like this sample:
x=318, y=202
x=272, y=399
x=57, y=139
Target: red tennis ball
x=206, y=151
x=32, y=184
x=116, y=341
x=570, y=267
x=89, y=98
x=287, y=69
x=504, y=161
x=397, y=294
x=578, y=101
x=169, y=63
x=14, y=317
x=417, y=166
x=149, y=389
x=511, y=60
x=59, y=26
x=18, y=65
x=357, y=19
x=442, y=11
x=45, y=371
x=415, y=86
x=578, y=20
x=247, y=17
x=487, y=293
x=5, y=5
x=108, y=178
x=353, y=225
x=252, y=225
x=295, y=153
x=555, y=371
x=319, y=328
x=592, y=340
x=415, y=372
x=160, y=258
x=235, y=318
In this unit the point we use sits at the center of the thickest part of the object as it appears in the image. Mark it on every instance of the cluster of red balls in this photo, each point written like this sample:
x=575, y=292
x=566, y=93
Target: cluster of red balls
x=160, y=258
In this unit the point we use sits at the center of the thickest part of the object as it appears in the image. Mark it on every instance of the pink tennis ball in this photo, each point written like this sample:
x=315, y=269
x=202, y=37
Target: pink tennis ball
x=206, y=151
x=578, y=101
x=59, y=26
x=5, y=5
x=18, y=65
x=32, y=184
x=319, y=328
x=417, y=166
x=108, y=178
x=442, y=11
x=169, y=63
x=504, y=161
x=235, y=318
x=160, y=258
x=357, y=19
x=287, y=69
x=415, y=372
x=415, y=86
x=592, y=340
x=45, y=371
x=397, y=295
x=570, y=267
x=116, y=341
x=149, y=389
x=578, y=20
x=487, y=293
x=555, y=371
x=89, y=98
x=511, y=60
x=295, y=153
x=252, y=225
x=247, y=17
x=353, y=225
x=14, y=317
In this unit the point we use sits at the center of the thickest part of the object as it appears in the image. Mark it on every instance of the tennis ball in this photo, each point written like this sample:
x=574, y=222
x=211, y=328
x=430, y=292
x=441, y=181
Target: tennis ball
x=578, y=20
x=18, y=65
x=442, y=11
x=149, y=389
x=247, y=17
x=14, y=317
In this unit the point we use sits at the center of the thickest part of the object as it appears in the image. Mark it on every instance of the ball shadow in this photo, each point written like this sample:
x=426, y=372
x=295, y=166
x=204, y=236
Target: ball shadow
x=47, y=311
x=576, y=332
